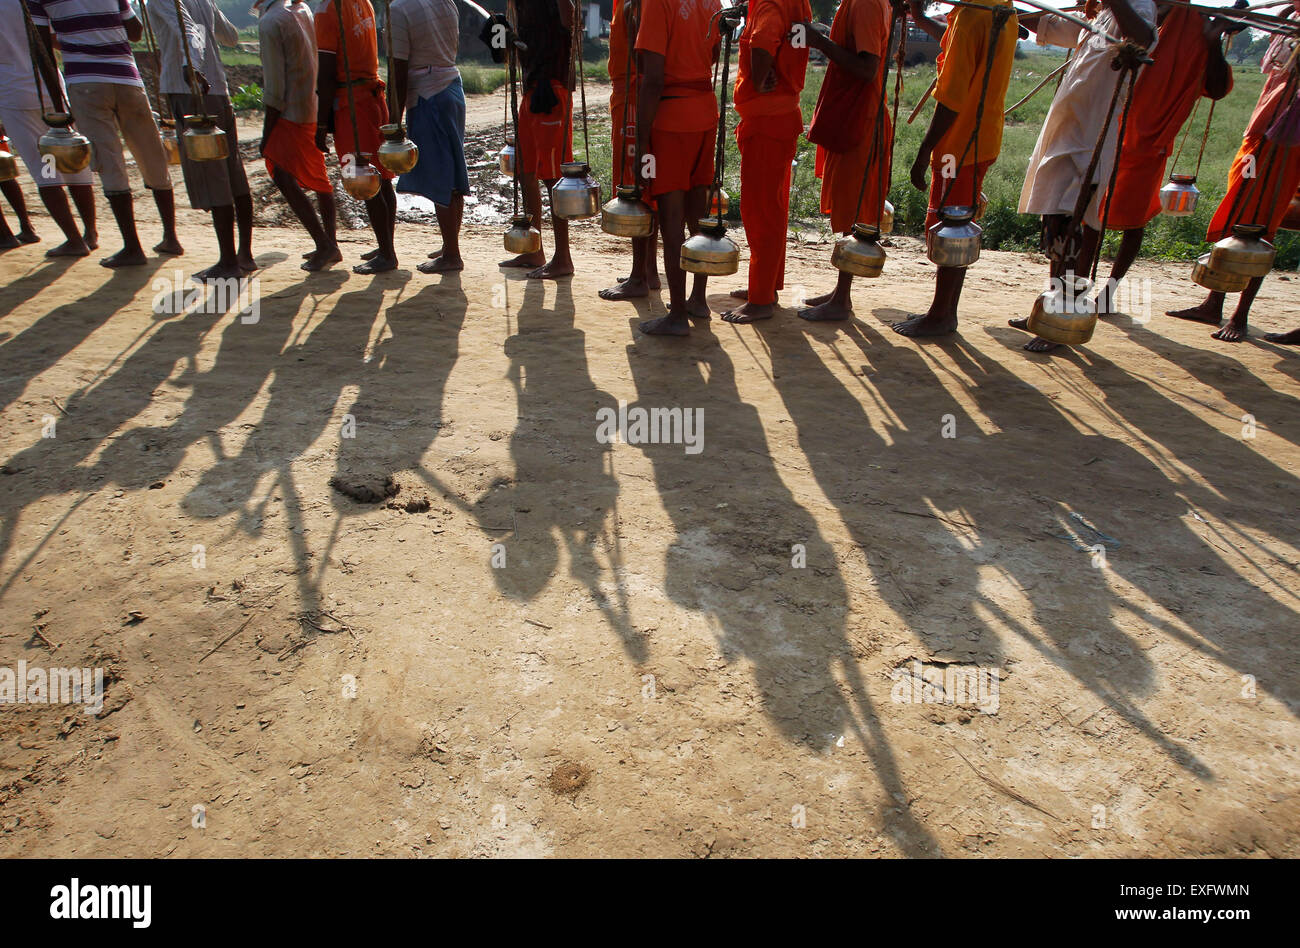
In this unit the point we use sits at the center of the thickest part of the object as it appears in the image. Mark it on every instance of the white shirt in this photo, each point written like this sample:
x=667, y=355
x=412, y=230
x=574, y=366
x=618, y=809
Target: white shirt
x=204, y=26
x=426, y=33
x=17, y=86
x=1069, y=135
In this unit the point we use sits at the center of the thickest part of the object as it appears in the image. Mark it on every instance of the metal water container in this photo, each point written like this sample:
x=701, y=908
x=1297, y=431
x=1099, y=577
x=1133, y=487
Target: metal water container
x=576, y=196
x=8, y=163
x=204, y=141
x=170, y=144
x=398, y=153
x=361, y=179
x=523, y=237
x=1244, y=252
x=626, y=215
x=719, y=202
x=1065, y=314
x=860, y=253
x=1219, y=281
x=954, y=240
x=887, y=219
x=506, y=156
x=69, y=149
x=710, y=252
x=1178, y=198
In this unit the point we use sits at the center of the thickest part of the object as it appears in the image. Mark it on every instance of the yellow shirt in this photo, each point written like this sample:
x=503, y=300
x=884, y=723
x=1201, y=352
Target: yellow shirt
x=963, y=57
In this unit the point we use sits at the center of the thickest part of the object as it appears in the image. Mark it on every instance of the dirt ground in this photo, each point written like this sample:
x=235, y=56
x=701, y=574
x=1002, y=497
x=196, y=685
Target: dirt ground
x=681, y=654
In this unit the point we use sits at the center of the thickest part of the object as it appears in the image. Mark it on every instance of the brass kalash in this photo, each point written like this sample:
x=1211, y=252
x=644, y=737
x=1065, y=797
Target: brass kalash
x=576, y=196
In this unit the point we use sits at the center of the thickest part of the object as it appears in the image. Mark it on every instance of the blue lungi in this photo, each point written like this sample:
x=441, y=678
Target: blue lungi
x=437, y=126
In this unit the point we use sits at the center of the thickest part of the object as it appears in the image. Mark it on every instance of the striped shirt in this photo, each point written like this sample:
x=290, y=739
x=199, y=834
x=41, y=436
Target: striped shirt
x=92, y=38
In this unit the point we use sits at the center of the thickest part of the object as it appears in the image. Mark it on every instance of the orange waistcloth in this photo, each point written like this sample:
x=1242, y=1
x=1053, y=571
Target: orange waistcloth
x=682, y=160
x=1135, y=202
x=619, y=52
x=292, y=146
x=1262, y=199
x=371, y=112
x=363, y=46
x=546, y=138
x=842, y=173
x=969, y=182
x=768, y=28
x=765, y=156
x=683, y=33
x=965, y=47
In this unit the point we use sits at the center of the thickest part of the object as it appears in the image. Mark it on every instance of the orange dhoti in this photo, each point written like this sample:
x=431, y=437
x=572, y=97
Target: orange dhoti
x=292, y=146
x=546, y=138
x=1263, y=197
x=842, y=173
x=1135, y=199
x=768, y=145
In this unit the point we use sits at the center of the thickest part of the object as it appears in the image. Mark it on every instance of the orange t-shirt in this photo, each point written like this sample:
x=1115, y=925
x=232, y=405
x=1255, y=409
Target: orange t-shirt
x=363, y=47
x=683, y=33
x=768, y=29
x=964, y=56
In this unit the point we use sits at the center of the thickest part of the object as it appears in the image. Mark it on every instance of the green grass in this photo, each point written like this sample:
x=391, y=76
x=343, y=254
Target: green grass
x=478, y=78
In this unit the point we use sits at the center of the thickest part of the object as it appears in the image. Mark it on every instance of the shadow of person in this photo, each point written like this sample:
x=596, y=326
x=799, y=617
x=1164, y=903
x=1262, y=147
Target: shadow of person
x=55, y=464
x=398, y=409
x=310, y=376
x=741, y=536
x=564, y=492
x=57, y=333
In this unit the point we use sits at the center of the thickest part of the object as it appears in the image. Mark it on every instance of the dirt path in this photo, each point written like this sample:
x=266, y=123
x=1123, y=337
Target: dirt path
x=544, y=644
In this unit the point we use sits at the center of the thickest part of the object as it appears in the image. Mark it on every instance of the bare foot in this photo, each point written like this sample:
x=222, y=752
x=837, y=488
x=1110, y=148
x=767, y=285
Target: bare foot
x=443, y=264
x=247, y=263
x=320, y=259
x=1291, y=338
x=818, y=300
x=1037, y=344
x=435, y=254
x=370, y=254
x=28, y=236
x=69, y=248
x=169, y=247
x=1204, y=313
x=739, y=294
x=91, y=237
x=9, y=243
x=674, y=324
x=653, y=280
x=626, y=289
x=828, y=310
x=380, y=264
x=698, y=309
x=525, y=261
x=219, y=271
x=1234, y=331
x=124, y=258
x=926, y=325
x=552, y=271
x=750, y=312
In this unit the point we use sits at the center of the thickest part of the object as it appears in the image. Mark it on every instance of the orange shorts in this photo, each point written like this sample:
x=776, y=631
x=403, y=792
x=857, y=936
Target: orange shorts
x=372, y=112
x=969, y=182
x=292, y=146
x=546, y=138
x=682, y=160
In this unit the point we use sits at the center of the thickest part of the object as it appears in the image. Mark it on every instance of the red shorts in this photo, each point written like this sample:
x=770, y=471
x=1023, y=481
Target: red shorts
x=969, y=182
x=546, y=138
x=623, y=142
x=292, y=146
x=372, y=112
x=682, y=160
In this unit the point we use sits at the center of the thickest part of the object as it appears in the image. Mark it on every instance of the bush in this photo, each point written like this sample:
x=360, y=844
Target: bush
x=248, y=97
